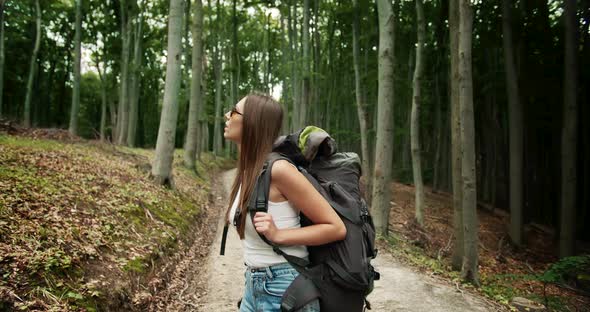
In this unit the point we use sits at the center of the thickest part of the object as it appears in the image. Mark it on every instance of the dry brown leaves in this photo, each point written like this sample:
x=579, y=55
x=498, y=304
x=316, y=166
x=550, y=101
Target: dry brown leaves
x=81, y=223
x=496, y=255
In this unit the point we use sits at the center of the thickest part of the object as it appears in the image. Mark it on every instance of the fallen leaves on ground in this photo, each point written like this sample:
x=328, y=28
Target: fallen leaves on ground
x=505, y=271
x=81, y=220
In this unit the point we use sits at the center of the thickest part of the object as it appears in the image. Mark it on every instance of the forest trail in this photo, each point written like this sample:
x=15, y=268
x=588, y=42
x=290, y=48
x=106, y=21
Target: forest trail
x=400, y=288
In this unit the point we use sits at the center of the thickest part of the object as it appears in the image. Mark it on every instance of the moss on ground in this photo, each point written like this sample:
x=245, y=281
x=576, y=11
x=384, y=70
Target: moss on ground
x=76, y=218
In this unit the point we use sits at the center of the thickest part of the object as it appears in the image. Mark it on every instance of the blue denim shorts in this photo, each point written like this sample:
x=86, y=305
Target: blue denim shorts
x=265, y=287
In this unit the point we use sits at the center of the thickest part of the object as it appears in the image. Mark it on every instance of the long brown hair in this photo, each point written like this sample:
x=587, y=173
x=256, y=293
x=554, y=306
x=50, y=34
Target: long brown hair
x=262, y=119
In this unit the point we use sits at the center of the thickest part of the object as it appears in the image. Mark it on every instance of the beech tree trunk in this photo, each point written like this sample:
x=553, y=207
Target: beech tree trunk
x=285, y=57
x=135, y=81
x=217, y=69
x=192, y=134
x=103, y=98
x=305, y=86
x=234, y=55
x=360, y=105
x=77, y=58
x=457, y=257
x=162, y=167
x=515, y=120
x=569, y=137
x=292, y=16
x=32, y=68
x=1, y=53
x=469, y=269
x=384, y=146
x=121, y=133
x=415, y=123
x=202, y=121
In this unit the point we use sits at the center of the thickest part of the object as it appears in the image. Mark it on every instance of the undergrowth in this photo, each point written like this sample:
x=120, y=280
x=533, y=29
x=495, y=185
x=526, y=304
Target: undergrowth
x=77, y=221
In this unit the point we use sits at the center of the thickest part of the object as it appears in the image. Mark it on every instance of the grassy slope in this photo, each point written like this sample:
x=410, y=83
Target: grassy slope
x=78, y=221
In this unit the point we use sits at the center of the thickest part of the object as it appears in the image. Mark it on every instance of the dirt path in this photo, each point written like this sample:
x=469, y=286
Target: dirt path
x=201, y=280
x=225, y=274
x=220, y=284
x=402, y=289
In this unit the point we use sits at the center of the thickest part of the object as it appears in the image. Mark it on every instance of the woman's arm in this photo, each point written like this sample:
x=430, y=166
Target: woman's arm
x=327, y=227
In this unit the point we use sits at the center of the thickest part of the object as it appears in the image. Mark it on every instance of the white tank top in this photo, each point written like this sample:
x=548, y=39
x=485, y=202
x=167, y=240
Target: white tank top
x=257, y=253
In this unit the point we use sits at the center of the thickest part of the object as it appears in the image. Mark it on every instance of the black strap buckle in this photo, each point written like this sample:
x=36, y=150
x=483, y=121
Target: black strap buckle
x=260, y=205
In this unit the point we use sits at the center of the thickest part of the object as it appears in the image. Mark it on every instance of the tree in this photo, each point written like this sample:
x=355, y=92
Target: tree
x=33, y=66
x=305, y=86
x=123, y=109
x=162, y=168
x=192, y=134
x=234, y=56
x=218, y=73
x=384, y=145
x=103, y=97
x=1, y=53
x=569, y=134
x=292, y=21
x=515, y=120
x=77, y=58
x=415, y=119
x=134, y=81
x=469, y=190
x=360, y=105
x=457, y=257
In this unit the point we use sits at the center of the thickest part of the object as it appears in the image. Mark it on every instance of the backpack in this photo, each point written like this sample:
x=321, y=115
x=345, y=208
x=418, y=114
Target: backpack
x=338, y=273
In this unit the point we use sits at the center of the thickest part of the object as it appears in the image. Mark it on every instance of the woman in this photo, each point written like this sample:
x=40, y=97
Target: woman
x=254, y=124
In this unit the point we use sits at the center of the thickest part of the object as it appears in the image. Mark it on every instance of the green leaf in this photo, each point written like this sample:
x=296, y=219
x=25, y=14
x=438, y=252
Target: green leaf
x=74, y=295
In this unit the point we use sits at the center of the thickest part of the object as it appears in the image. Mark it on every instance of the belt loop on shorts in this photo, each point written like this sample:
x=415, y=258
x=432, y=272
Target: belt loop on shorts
x=269, y=272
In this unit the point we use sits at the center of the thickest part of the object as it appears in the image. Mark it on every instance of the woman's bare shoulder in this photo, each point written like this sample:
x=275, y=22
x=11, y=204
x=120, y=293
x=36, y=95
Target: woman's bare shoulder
x=283, y=170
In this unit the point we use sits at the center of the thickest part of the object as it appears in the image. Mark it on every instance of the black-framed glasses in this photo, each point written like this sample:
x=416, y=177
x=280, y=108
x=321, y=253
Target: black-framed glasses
x=233, y=111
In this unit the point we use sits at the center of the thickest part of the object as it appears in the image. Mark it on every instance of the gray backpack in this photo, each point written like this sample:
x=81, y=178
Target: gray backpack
x=338, y=273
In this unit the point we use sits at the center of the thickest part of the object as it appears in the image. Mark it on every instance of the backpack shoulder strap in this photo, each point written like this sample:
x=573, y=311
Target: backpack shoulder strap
x=259, y=198
x=223, y=239
x=259, y=203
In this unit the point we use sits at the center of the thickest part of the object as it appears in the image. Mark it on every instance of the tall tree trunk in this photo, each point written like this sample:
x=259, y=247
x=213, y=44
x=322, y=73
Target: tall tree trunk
x=384, y=146
x=103, y=97
x=217, y=69
x=234, y=55
x=32, y=67
x=515, y=120
x=569, y=137
x=294, y=64
x=203, y=143
x=285, y=51
x=318, y=79
x=305, y=89
x=123, y=81
x=415, y=124
x=113, y=117
x=77, y=58
x=457, y=257
x=135, y=81
x=192, y=132
x=267, y=52
x=436, y=180
x=162, y=167
x=469, y=204
x=1, y=54
x=48, y=111
x=360, y=105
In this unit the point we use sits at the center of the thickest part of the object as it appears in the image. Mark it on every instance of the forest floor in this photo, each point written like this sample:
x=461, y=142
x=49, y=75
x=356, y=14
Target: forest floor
x=82, y=228
x=505, y=271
